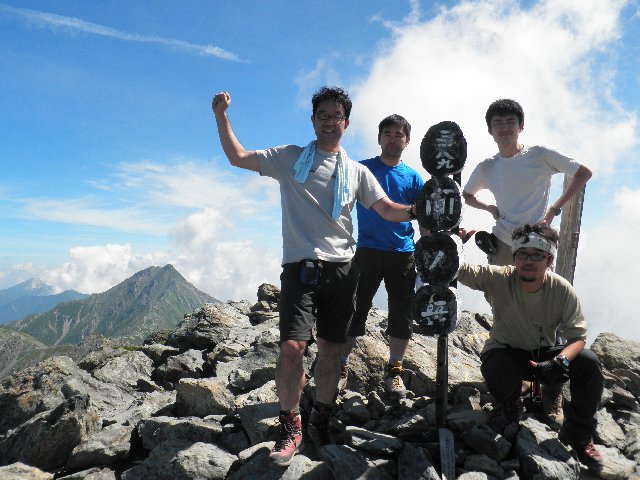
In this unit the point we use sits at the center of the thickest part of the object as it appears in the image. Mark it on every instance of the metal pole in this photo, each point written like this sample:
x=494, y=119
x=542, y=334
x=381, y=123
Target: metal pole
x=442, y=380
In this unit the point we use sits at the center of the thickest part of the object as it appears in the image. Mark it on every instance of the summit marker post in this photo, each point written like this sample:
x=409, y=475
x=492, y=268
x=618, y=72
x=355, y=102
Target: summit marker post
x=436, y=308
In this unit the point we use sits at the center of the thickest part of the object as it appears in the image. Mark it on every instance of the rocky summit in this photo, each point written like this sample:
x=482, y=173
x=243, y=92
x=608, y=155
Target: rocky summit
x=199, y=402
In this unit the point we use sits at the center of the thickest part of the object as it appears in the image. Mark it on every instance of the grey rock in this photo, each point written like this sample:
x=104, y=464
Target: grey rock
x=372, y=442
x=354, y=408
x=461, y=420
x=154, y=431
x=20, y=471
x=258, y=411
x=608, y=432
x=375, y=405
x=269, y=294
x=189, y=364
x=47, y=439
x=541, y=454
x=202, y=397
x=127, y=371
x=109, y=445
x=348, y=464
x=51, y=384
x=473, y=476
x=617, y=353
x=615, y=465
x=207, y=327
x=623, y=398
x=466, y=398
x=469, y=335
x=186, y=461
x=481, y=462
x=415, y=463
x=632, y=440
x=483, y=439
x=95, y=473
x=158, y=353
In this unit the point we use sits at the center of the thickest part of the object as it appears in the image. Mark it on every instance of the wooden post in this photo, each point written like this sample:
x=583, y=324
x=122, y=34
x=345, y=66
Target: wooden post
x=569, y=234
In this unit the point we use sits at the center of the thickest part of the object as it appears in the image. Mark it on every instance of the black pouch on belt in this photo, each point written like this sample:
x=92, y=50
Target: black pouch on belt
x=310, y=271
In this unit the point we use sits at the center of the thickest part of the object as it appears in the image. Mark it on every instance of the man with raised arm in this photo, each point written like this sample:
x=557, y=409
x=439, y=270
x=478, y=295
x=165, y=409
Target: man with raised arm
x=319, y=185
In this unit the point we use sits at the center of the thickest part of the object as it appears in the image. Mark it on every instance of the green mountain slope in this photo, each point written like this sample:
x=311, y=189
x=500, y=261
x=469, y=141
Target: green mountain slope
x=153, y=299
x=19, y=350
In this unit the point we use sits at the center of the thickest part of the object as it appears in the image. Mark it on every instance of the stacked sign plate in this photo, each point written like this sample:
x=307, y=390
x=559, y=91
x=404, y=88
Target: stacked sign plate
x=443, y=152
x=436, y=307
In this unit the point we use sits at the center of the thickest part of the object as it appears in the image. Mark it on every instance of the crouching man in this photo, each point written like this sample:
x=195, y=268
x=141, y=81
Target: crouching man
x=532, y=305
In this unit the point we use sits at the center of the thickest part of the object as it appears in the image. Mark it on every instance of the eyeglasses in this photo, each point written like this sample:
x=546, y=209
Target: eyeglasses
x=535, y=256
x=337, y=118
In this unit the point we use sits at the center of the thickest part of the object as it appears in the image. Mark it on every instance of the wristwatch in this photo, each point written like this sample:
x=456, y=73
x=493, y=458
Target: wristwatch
x=562, y=361
x=556, y=211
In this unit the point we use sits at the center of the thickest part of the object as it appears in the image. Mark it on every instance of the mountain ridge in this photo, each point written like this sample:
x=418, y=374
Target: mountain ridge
x=25, y=305
x=152, y=299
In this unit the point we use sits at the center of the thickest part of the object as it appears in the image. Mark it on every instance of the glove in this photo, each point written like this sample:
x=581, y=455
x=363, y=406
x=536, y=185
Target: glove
x=551, y=372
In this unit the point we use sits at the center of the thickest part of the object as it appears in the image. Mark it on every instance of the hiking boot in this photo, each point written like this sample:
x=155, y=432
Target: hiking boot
x=552, y=405
x=513, y=411
x=393, y=379
x=319, y=428
x=344, y=377
x=585, y=451
x=590, y=457
x=289, y=439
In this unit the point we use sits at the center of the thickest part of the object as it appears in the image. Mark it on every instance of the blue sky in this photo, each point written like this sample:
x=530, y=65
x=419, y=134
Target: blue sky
x=111, y=161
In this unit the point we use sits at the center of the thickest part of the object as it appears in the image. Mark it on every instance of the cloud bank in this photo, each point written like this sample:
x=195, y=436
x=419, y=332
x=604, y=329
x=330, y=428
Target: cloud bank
x=555, y=58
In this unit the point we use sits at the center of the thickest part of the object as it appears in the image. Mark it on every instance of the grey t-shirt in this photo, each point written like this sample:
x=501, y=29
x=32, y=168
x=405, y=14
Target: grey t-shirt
x=308, y=231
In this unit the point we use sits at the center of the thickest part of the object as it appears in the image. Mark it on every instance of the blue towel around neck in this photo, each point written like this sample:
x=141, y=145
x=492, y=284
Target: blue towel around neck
x=341, y=192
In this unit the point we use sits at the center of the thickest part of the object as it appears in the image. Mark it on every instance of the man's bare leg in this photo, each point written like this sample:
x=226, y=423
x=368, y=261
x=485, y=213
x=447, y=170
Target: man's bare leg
x=346, y=349
x=397, y=348
x=393, y=372
x=290, y=374
x=327, y=370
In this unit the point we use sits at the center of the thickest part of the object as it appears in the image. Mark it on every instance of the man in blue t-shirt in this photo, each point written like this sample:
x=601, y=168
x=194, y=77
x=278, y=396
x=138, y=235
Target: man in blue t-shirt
x=385, y=252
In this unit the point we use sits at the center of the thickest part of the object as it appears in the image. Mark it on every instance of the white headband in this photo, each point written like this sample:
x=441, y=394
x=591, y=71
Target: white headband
x=535, y=241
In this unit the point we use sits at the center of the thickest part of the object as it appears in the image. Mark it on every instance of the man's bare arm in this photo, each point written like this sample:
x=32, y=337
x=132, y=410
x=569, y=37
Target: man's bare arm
x=238, y=156
x=578, y=181
x=391, y=211
x=473, y=201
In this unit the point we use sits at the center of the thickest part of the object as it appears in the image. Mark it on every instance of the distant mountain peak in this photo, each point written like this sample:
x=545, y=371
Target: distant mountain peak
x=152, y=299
x=32, y=287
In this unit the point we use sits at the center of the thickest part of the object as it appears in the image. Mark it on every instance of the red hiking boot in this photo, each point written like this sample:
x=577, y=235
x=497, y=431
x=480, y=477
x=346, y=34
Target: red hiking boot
x=289, y=439
x=586, y=451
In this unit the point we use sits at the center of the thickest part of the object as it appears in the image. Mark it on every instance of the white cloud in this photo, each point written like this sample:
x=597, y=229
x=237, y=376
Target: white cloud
x=606, y=274
x=552, y=57
x=226, y=247
x=224, y=268
x=150, y=197
x=323, y=73
x=89, y=211
x=70, y=24
x=97, y=268
x=555, y=59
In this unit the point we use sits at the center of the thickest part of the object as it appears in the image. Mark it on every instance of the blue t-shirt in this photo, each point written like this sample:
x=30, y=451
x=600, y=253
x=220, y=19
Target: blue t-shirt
x=402, y=184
